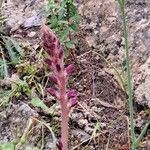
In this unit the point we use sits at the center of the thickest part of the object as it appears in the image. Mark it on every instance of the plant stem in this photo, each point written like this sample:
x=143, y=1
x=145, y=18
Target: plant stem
x=130, y=100
x=64, y=127
x=64, y=115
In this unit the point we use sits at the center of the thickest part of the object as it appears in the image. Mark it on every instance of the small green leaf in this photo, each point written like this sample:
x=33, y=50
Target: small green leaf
x=53, y=5
x=17, y=47
x=14, y=44
x=13, y=49
x=4, y=97
x=54, y=21
x=7, y=146
x=63, y=22
x=64, y=34
x=70, y=45
x=11, y=52
x=39, y=103
x=3, y=68
x=121, y=3
x=66, y=52
x=76, y=18
x=73, y=27
x=72, y=10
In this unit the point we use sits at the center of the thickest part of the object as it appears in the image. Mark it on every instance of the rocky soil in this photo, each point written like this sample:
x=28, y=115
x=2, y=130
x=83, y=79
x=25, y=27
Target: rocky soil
x=101, y=119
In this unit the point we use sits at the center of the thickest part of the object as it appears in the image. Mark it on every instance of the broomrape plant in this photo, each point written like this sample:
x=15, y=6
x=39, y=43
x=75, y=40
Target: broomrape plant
x=66, y=98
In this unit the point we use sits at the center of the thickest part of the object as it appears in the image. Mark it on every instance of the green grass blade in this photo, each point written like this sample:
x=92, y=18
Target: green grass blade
x=10, y=50
x=121, y=3
x=16, y=46
x=129, y=85
x=3, y=69
x=137, y=141
x=36, y=102
x=3, y=66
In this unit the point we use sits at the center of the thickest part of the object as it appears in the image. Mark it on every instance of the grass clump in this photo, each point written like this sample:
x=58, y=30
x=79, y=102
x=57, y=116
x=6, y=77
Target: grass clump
x=134, y=141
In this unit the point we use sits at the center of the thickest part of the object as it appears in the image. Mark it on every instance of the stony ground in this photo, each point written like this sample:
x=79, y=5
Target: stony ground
x=100, y=121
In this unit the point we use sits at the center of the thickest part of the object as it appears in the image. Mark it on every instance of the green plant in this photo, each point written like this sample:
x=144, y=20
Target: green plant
x=10, y=54
x=5, y=96
x=64, y=20
x=21, y=86
x=37, y=102
x=20, y=142
x=25, y=81
x=7, y=146
x=135, y=141
x=18, y=87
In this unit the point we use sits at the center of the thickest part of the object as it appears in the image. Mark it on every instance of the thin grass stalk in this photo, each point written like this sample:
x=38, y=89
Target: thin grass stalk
x=137, y=141
x=129, y=79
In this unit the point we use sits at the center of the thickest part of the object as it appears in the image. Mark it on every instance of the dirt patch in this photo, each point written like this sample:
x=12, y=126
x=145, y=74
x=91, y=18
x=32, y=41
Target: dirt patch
x=101, y=101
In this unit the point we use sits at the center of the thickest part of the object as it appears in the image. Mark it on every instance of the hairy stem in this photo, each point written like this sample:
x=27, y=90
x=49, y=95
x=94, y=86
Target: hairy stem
x=64, y=127
x=64, y=115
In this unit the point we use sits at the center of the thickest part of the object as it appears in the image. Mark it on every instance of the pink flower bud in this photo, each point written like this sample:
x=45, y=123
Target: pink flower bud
x=55, y=61
x=58, y=68
x=59, y=144
x=61, y=54
x=47, y=35
x=73, y=101
x=49, y=62
x=53, y=79
x=72, y=93
x=52, y=91
x=69, y=69
x=58, y=44
x=50, y=42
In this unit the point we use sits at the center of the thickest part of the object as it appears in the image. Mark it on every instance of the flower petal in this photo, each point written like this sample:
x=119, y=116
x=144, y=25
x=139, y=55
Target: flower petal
x=69, y=69
x=72, y=93
x=59, y=144
x=52, y=91
x=49, y=62
x=53, y=79
x=73, y=101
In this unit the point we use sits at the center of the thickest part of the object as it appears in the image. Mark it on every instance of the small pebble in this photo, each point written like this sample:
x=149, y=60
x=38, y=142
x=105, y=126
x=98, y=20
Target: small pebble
x=97, y=57
x=82, y=123
x=32, y=34
x=102, y=124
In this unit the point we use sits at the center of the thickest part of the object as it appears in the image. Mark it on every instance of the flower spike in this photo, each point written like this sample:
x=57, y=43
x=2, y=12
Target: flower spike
x=52, y=46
